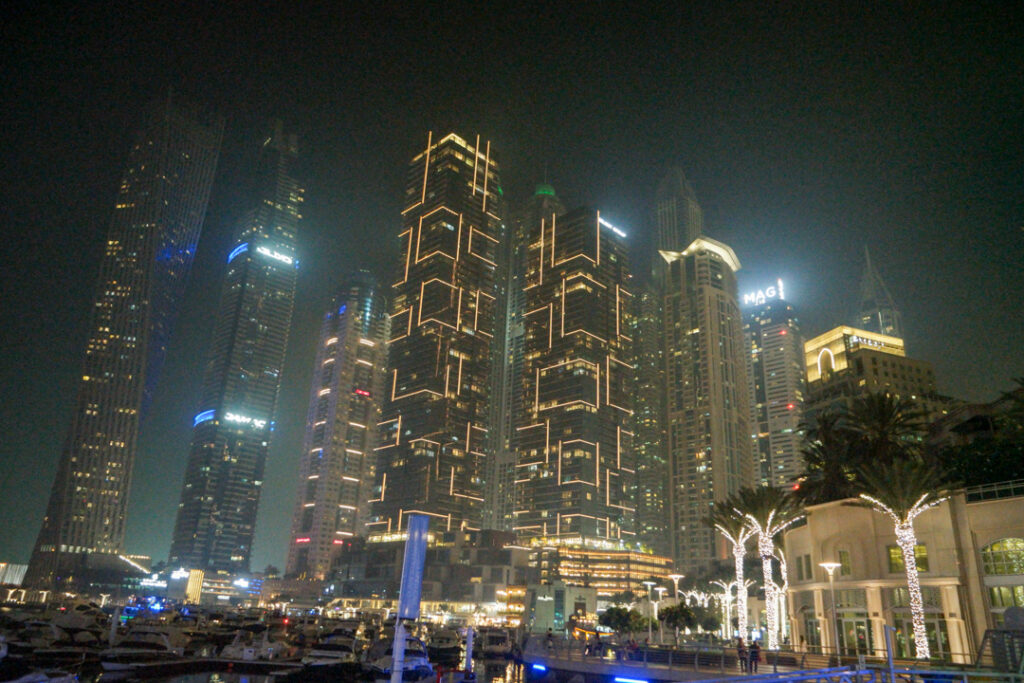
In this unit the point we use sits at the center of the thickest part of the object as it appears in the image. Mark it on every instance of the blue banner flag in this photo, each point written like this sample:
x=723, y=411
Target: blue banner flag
x=412, y=567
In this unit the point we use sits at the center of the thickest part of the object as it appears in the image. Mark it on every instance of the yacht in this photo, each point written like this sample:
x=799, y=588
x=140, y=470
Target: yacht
x=416, y=664
x=250, y=646
x=493, y=643
x=445, y=644
x=140, y=648
x=337, y=650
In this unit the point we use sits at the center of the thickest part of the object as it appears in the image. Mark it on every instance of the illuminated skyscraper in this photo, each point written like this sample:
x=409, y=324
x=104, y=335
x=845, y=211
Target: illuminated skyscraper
x=575, y=474
x=877, y=312
x=338, y=457
x=434, y=439
x=649, y=422
x=776, y=371
x=151, y=241
x=508, y=349
x=232, y=429
x=708, y=395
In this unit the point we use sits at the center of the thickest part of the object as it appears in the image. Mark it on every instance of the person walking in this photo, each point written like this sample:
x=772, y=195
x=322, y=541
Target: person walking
x=741, y=655
x=755, y=656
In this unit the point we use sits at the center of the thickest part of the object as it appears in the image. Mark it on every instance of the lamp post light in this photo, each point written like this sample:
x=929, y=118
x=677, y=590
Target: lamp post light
x=831, y=568
x=649, y=602
x=676, y=578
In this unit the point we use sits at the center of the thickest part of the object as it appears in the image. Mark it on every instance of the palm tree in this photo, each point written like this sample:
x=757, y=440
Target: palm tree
x=829, y=471
x=768, y=513
x=886, y=428
x=903, y=490
x=733, y=526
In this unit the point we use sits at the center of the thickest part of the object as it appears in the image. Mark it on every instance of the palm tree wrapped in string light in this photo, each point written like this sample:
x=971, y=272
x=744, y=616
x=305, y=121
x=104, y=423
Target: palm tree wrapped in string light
x=902, y=491
x=733, y=526
x=768, y=512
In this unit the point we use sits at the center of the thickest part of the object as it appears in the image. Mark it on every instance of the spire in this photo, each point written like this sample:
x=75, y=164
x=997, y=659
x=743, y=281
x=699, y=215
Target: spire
x=877, y=312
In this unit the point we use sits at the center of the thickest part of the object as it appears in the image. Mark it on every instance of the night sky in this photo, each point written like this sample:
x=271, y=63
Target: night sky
x=807, y=133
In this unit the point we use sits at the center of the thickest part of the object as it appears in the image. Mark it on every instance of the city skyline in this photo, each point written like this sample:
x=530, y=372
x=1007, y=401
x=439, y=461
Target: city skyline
x=915, y=153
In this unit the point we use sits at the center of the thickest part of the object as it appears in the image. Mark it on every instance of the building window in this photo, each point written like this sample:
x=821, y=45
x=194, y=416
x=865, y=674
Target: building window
x=1006, y=596
x=896, y=565
x=845, y=569
x=1003, y=557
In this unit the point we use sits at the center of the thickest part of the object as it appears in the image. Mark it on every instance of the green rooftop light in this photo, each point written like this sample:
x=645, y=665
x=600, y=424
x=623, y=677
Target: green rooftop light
x=544, y=188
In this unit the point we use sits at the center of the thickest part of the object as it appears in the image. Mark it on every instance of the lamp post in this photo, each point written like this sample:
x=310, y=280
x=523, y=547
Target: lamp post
x=649, y=602
x=660, y=590
x=676, y=578
x=831, y=567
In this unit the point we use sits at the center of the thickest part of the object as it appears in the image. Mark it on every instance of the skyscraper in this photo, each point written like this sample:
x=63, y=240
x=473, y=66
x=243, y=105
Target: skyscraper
x=677, y=214
x=649, y=421
x=508, y=353
x=336, y=470
x=433, y=453
x=575, y=475
x=776, y=371
x=707, y=400
x=150, y=245
x=877, y=311
x=232, y=428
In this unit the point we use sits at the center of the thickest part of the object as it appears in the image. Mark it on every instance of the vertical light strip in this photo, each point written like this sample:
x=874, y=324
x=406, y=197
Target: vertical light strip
x=487, y=168
x=426, y=167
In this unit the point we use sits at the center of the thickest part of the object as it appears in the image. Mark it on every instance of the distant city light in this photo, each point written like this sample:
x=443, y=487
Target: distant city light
x=276, y=255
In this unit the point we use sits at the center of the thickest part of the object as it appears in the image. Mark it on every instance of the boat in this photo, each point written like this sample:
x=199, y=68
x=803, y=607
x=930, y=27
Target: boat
x=415, y=665
x=140, y=648
x=493, y=643
x=335, y=651
x=444, y=644
x=249, y=645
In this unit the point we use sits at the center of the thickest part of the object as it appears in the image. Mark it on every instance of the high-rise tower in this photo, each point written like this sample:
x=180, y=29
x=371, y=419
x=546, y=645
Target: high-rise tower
x=232, y=429
x=151, y=240
x=508, y=353
x=877, y=311
x=575, y=475
x=678, y=216
x=336, y=471
x=707, y=400
x=649, y=421
x=777, y=387
x=433, y=454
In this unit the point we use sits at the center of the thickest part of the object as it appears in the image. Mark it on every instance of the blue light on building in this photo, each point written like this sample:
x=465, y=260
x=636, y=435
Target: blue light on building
x=204, y=416
x=240, y=249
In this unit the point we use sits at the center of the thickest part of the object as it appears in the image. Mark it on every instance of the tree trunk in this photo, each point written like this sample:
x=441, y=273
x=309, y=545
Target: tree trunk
x=765, y=547
x=741, y=592
x=907, y=539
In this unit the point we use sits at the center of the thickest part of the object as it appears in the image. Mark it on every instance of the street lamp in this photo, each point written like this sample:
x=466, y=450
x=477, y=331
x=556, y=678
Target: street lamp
x=660, y=590
x=676, y=578
x=831, y=568
x=649, y=602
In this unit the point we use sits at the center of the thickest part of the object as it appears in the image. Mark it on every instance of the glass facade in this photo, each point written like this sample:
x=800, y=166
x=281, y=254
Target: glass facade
x=433, y=455
x=150, y=245
x=235, y=418
x=338, y=460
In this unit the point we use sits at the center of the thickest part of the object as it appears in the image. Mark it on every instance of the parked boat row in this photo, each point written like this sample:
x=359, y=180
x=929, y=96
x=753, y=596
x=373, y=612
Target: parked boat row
x=56, y=645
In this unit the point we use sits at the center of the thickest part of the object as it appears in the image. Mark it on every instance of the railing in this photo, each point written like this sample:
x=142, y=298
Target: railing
x=775, y=665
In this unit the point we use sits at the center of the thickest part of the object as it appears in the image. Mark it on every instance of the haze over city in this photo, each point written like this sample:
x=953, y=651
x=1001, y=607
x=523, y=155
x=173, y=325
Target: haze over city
x=806, y=133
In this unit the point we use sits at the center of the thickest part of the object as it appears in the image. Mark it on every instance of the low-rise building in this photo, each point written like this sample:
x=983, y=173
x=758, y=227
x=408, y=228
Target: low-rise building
x=970, y=556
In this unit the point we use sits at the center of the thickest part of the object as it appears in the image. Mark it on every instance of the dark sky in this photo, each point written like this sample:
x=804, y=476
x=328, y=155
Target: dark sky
x=807, y=132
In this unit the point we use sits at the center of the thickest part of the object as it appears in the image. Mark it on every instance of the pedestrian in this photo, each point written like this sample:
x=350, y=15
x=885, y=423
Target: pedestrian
x=741, y=655
x=755, y=656
x=551, y=640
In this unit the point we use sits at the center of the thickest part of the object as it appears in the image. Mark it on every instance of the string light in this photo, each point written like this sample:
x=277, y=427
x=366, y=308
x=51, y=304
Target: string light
x=766, y=548
x=739, y=551
x=906, y=539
